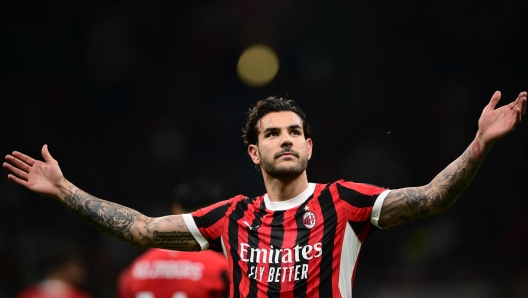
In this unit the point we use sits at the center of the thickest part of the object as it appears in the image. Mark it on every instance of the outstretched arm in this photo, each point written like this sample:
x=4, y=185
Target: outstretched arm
x=45, y=178
x=408, y=204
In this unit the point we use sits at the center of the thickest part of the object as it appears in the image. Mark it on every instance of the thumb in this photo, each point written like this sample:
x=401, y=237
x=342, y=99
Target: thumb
x=46, y=154
x=494, y=100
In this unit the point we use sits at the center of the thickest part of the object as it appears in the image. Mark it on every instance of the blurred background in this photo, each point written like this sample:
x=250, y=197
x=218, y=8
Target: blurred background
x=134, y=98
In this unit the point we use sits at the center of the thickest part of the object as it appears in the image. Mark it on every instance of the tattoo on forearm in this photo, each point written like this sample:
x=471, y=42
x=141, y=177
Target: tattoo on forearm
x=408, y=204
x=129, y=225
x=108, y=217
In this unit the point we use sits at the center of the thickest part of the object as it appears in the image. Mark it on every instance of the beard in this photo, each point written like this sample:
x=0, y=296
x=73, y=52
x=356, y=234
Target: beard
x=282, y=171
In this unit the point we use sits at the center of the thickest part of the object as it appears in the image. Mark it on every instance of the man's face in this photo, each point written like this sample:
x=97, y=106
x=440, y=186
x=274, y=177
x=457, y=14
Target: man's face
x=282, y=150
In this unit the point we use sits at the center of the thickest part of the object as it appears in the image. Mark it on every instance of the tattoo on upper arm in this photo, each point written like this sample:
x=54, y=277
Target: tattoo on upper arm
x=174, y=240
x=175, y=234
x=129, y=225
x=404, y=205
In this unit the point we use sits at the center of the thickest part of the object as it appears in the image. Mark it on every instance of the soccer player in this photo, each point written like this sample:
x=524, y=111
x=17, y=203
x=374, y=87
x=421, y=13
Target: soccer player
x=299, y=239
x=162, y=273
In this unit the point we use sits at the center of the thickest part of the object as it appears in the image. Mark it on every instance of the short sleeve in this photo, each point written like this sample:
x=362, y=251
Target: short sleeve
x=358, y=204
x=376, y=209
x=206, y=224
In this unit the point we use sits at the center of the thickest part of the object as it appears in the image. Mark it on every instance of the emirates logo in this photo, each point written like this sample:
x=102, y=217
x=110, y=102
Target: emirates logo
x=309, y=219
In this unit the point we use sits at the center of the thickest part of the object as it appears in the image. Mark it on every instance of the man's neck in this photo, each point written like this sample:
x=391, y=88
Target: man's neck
x=284, y=189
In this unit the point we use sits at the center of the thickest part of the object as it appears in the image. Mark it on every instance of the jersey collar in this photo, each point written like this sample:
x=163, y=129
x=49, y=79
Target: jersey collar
x=291, y=203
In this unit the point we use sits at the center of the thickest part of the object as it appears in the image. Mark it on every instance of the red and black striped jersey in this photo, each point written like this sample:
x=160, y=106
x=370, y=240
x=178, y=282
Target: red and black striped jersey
x=303, y=247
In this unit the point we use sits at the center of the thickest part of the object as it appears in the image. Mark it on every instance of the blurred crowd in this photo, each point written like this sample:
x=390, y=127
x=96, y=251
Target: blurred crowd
x=135, y=98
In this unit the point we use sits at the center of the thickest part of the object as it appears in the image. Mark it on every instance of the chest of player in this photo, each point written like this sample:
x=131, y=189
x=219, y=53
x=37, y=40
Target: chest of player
x=284, y=246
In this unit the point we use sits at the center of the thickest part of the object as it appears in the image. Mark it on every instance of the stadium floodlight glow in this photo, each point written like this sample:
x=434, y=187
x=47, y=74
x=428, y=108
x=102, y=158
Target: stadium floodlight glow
x=257, y=65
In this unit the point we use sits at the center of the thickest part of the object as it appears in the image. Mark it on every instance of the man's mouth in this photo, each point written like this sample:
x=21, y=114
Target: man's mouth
x=288, y=153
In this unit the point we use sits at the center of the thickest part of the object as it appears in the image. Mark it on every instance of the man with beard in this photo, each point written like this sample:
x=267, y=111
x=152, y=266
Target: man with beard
x=300, y=239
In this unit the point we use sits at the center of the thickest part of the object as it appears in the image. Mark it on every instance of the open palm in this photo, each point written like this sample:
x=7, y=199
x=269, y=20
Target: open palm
x=495, y=124
x=40, y=177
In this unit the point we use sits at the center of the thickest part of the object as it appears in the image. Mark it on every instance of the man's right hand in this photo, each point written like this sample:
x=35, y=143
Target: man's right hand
x=126, y=224
x=43, y=178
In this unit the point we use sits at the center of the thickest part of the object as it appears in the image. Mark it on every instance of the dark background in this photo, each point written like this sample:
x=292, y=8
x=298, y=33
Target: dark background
x=134, y=98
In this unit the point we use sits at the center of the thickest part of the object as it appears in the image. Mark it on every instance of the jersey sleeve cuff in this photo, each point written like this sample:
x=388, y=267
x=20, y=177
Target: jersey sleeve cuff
x=191, y=225
x=376, y=209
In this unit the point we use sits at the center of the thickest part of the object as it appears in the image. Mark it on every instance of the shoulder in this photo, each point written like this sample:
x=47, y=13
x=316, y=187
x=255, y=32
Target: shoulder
x=359, y=187
x=246, y=201
x=235, y=200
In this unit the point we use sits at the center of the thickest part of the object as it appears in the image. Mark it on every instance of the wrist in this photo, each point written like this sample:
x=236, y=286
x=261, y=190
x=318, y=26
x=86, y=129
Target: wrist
x=480, y=146
x=64, y=189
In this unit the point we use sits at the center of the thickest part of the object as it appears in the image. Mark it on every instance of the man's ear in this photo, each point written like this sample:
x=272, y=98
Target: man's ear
x=309, y=147
x=254, y=154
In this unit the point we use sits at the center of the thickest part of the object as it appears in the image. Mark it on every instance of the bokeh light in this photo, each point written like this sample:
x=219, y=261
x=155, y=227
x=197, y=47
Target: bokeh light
x=258, y=65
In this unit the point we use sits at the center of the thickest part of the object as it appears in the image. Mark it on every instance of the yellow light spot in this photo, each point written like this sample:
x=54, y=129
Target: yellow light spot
x=258, y=65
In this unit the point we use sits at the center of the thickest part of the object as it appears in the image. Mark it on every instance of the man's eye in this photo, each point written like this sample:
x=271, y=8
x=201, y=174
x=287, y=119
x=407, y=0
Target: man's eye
x=272, y=134
x=296, y=132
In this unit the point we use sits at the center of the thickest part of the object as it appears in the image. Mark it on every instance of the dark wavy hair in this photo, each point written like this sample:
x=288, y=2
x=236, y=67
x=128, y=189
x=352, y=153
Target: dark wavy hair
x=265, y=106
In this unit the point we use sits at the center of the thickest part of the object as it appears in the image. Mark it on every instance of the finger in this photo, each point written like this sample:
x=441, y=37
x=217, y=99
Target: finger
x=30, y=161
x=15, y=171
x=514, y=103
x=46, y=154
x=18, y=163
x=494, y=100
x=17, y=180
x=523, y=103
x=518, y=115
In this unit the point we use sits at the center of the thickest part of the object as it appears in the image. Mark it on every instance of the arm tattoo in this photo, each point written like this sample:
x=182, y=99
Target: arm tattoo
x=175, y=240
x=108, y=217
x=408, y=204
x=123, y=223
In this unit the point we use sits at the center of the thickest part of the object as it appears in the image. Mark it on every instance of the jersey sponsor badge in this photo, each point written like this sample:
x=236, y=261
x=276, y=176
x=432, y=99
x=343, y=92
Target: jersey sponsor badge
x=249, y=227
x=309, y=219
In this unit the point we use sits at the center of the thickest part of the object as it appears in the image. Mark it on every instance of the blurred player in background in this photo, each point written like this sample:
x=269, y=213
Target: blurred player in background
x=65, y=273
x=160, y=273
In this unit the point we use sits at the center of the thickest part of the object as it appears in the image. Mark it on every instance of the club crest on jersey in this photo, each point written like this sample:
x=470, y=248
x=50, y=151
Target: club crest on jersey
x=309, y=219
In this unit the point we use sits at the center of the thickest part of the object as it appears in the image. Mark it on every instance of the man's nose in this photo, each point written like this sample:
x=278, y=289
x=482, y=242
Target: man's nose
x=286, y=140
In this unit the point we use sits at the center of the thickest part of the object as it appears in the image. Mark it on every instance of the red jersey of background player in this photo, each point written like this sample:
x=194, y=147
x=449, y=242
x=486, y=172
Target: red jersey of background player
x=160, y=273
x=52, y=289
x=304, y=247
